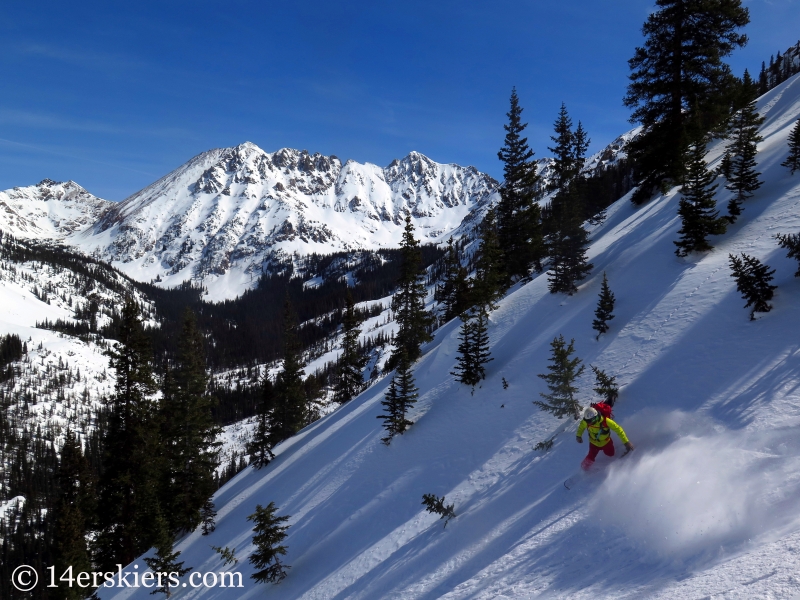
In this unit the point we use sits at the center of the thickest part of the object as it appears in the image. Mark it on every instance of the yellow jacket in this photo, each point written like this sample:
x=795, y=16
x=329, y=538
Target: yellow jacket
x=599, y=435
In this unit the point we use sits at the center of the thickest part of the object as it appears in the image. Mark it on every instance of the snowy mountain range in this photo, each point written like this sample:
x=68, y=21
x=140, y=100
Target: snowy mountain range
x=218, y=219
x=705, y=507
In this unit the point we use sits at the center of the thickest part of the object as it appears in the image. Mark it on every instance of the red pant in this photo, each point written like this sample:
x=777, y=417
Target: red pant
x=608, y=450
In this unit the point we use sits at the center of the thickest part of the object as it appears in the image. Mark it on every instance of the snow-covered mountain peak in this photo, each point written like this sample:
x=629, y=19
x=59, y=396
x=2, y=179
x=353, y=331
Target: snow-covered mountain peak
x=49, y=210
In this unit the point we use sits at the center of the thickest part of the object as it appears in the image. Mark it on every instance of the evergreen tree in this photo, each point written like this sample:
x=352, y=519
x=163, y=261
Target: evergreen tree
x=679, y=87
x=567, y=240
x=399, y=398
x=131, y=463
x=188, y=433
x=518, y=215
x=560, y=380
x=791, y=242
x=290, y=413
x=605, y=308
x=697, y=207
x=453, y=292
x=208, y=517
x=436, y=505
x=473, y=349
x=487, y=286
x=606, y=386
x=563, y=152
x=408, y=302
x=350, y=379
x=753, y=282
x=742, y=175
x=793, y=160
x=268, y=534
x=164, y=564
x=74, y=508
x=260, y=446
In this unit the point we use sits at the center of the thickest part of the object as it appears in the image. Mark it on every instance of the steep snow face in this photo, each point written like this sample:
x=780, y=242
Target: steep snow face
x=49, y=210
x=706, y=506
x=220, y=216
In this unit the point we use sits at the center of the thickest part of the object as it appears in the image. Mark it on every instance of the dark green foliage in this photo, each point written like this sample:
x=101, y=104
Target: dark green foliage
x=399, y=398
x=560, y=380
x=567, y=240
x=518, y=216
x=188, y=433
x=605, y=308
x=793, y=160
x=473, y=349
x=605, y=385
x=165, y=562
x=741, y=156
x=563, y=154
x=791, y=242
x=350, y=381
x=436, y=505
x=208, y=516
x=697, y=207
x=290, y=412
x=268, y=534
x=11, y=349
x=487, y=286
x=453, y=292
x=408, y=303
x=72, y=519
x=753, y=282
x=679, y=86
x=131, y=464
x=228, y=555
x=260, y=446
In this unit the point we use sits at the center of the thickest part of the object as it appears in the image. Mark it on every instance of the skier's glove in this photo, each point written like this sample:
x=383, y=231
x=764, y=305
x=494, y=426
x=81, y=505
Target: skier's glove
x=579, y=439
x=628, y=446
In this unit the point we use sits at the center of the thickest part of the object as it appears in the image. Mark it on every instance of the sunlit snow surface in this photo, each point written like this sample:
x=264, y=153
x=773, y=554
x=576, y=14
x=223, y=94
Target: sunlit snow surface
x=706, y=507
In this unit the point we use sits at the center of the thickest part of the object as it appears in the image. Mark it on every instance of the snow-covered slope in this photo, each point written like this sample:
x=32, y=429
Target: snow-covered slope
x=49, y=210
x=63, y=379
x=220, y=216
x=707, y=506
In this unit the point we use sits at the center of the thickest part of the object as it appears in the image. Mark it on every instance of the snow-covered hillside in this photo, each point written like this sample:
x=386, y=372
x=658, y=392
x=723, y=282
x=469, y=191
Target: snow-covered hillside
x=706, y=507
x=63, y=379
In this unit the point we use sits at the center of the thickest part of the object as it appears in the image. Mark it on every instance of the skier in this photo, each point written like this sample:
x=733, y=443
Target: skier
x=600, y=428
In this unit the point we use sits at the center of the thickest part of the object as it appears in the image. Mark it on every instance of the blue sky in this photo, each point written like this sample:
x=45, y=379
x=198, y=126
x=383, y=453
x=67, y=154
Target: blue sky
x=116, y=95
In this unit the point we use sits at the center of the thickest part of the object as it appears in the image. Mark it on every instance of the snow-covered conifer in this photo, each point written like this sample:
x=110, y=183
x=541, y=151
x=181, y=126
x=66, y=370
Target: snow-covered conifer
x=743, y=179
x=793, y=160
x=560, y=380
x=165, y=562
x=791, y=242
x=350, y=380
x=260, y=446
x=453, y=291
x=753, y=282
x=605, y=386
x=518, y=216
x=436, y=505
x=268, y=534
x=605, y=308
x=399, y=398
x=408, y=302
x=697, y=207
